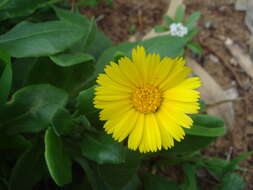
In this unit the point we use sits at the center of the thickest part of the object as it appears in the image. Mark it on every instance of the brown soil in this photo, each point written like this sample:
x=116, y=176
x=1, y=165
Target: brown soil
x=219, y=21
x=224, y=22
x=126, y=17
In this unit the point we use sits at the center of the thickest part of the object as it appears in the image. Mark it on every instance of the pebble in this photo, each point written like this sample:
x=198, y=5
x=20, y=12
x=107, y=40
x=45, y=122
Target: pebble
x=241, y=5
x=233, y=62
x=213, y=58
x=208, y=25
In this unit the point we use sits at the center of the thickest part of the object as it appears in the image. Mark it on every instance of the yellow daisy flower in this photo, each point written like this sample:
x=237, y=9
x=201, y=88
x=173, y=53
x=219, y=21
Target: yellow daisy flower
x=147, y=100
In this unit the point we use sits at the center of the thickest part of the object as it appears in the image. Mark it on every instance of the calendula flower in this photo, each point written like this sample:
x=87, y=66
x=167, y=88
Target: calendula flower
x=147, y=100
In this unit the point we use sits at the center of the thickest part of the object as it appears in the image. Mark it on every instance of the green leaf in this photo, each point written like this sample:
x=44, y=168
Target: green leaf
x=3, y=3
x=202, y=106
x=58, y=161
x=42, y=39
x=88, y=2
x=85, y=123
x=70, y=59
x=192, y=20
x=133, y=183
x=161, y=28
x=206, y=125
x=31, y=109
x=110, y=2
x=21, y=69
x=125, y=172
x=180, y=13
x=190, y=144
x=232, y=181
x=117, y=56
x=85, y=105
x=71, y=78
x=192, y=33
x=4, y=56
x=158, y=182
x=18, y=8
x=168, y=20
x=29, y=169
x=13, y=142
x=71, y=17
x=100, y=43
x=190, y=182
x=215, y=166
x=233, y=163
x=102, y=149
x=5, y=84
x=62, y=122
x=90, y=173
x=91, y=35
x=80, y=21
x=195, y=47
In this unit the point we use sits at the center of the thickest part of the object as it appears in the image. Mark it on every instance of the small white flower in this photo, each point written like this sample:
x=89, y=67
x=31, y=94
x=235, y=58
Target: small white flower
x=178, y=29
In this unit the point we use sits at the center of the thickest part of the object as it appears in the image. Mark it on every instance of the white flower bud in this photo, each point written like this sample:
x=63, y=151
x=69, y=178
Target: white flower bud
x=178, y=29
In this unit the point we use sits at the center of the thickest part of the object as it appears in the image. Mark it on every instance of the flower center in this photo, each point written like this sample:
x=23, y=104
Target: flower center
x=146, y=99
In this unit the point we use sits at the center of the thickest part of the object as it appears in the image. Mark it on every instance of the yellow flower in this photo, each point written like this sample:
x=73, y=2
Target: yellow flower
x=147, y=100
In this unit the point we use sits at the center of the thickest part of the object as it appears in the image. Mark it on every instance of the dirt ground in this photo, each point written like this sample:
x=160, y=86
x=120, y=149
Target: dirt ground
x=219, y=21
x=126, y=17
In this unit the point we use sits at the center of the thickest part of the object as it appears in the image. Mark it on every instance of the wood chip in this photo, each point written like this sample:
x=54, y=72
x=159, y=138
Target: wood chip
x=243, y=59
x=173, y=7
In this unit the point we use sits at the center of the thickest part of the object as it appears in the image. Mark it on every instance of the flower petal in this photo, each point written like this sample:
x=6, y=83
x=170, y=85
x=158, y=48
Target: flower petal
x=135, y=136
x=122, y=130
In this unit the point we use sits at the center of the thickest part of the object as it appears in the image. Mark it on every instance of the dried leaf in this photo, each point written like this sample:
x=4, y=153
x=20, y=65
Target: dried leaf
x=243, y=59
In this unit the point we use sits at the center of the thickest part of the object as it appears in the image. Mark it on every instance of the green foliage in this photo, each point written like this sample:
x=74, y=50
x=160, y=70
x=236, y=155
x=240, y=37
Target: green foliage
x=180, y=14
x=161, y=28
x=233, y=163
x=18, y=8
x=102, y=149
x=168, y=20
x=65, y=60
x=195, y=47
x=31, y=109
x=190, y=23
x=192, y=20
x=6, y=78
x=30, y=167
x=158, y=182
x=190, y=182
x=62, y=122
x=4, y=56
x=13, y=142
x=57, y=159
x=32, y=40
x=232, y=181
x=125, y=172
x=92, y=2
x=206, y=125
x=47, y=91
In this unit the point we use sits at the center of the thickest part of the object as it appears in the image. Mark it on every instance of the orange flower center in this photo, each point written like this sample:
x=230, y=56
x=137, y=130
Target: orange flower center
x=146, y=99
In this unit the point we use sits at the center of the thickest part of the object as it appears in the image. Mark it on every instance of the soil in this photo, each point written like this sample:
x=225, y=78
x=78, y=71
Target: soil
x=127, y=17
x=219, y=21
